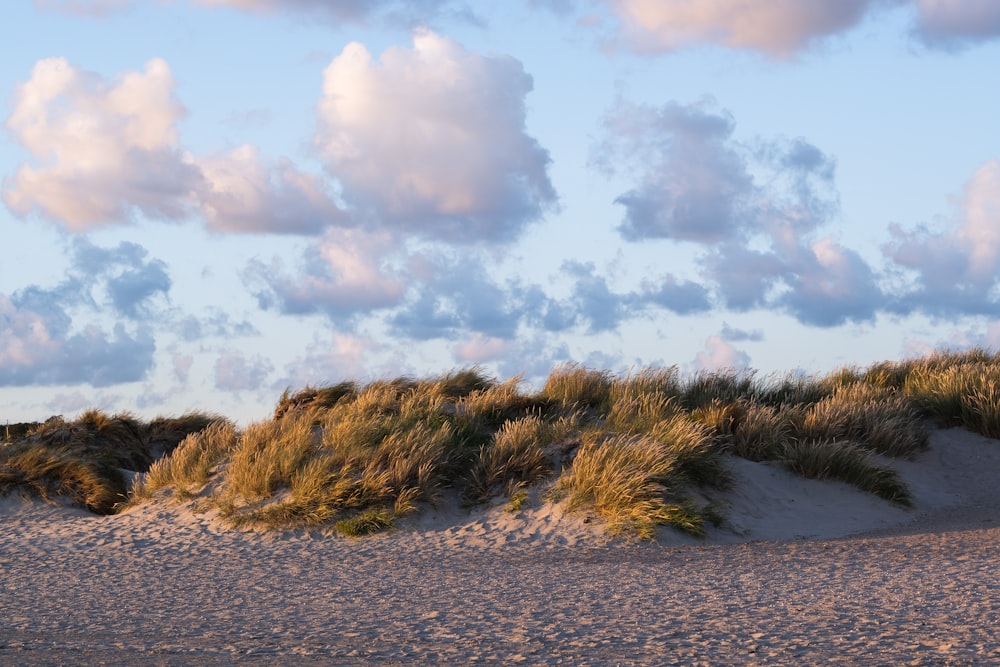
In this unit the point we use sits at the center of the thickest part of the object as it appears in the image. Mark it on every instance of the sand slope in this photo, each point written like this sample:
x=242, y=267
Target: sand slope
x=162, y=585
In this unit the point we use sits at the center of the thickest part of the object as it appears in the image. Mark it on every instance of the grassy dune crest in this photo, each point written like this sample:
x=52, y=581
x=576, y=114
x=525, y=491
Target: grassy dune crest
x=631, y=448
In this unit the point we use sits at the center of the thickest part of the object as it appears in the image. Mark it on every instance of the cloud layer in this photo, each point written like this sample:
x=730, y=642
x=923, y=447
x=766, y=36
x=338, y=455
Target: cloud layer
x=775, y=27
x=49, y=339
x=783, y=28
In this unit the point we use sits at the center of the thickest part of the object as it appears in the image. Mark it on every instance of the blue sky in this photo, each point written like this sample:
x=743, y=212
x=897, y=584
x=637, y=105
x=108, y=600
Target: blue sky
x=208, y=201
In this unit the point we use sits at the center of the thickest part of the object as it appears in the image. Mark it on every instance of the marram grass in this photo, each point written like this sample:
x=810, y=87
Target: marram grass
x=630, y=448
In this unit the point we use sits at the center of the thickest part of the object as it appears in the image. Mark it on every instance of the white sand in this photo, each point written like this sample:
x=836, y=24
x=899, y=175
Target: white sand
x=804, y=572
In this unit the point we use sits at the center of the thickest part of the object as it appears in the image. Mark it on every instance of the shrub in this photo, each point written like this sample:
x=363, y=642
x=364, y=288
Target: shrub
x=164, y=434
x=791, y=389
x=458, y=383
x=651, y=380
x=83, y=459
x=959, y=395
x=640, y=412
x=694, y=450
x=267, y=455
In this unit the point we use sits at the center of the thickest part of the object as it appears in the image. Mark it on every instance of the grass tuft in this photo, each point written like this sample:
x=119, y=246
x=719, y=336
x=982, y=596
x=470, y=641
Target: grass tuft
x=573, y=385
x=365, y=523
x=632, y=482
x=847, y=462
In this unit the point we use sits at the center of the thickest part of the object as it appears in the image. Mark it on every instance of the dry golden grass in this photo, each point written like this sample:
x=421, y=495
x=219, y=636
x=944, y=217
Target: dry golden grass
x=630, y=447
x=189, y=467
x=628, y=480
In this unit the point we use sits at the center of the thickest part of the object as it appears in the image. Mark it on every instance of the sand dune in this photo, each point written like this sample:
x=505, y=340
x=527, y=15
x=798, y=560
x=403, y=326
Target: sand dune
x=803, y=572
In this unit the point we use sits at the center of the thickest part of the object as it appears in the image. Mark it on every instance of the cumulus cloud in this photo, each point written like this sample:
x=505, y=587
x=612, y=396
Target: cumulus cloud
x=349, y=11
x=593, y=300
x=734, y=335
x=345, y=356
x=432, y=140
x=348, y=271
x=778, y=28
x=182, y=367
x=954, y=23
x=240, y=193
x=128, y=280
x=47, y=333
x=458, y=295
x=107, y=151
x=336, y=11
x=956, y=270
x=480, y=348
x=682, y=297
x=720, y=355
x=215, y=323
x=41, y=348
x=234, y=371
x=754, y=207
x=693, y=184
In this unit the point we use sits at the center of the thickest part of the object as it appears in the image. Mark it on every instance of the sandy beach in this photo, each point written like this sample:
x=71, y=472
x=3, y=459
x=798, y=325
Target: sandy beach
x=803, y=572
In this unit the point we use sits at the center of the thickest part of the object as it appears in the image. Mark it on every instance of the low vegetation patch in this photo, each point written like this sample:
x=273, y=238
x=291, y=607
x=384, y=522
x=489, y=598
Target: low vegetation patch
x=631, y=448
x=89, y=460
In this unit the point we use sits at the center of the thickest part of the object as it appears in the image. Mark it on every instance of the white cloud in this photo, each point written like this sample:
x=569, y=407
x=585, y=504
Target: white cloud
x=980, y=232
x=480, y=348
x=83, y=7
x=347, y=271
x=338, y=11
x=693, y=184
x=432, y=140
x=776, y=27
x=830, y=284
x=106, y=149
x=345, y=356
x=39, y=348
x=955, y=270
x=234, y=371
x=755, y=208
x=182, y=367
x=241, y=194
x=341, y=11
x=720, y=355
x=950, y=23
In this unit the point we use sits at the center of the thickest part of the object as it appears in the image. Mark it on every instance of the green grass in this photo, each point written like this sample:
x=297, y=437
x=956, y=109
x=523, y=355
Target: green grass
x=635, y=449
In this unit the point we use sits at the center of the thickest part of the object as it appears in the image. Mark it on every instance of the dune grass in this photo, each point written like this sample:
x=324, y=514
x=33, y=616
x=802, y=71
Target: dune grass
x=631, y=448
x=88, y=461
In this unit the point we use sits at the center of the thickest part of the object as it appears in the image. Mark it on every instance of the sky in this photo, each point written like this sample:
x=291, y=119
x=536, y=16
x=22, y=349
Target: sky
x=207, y=202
